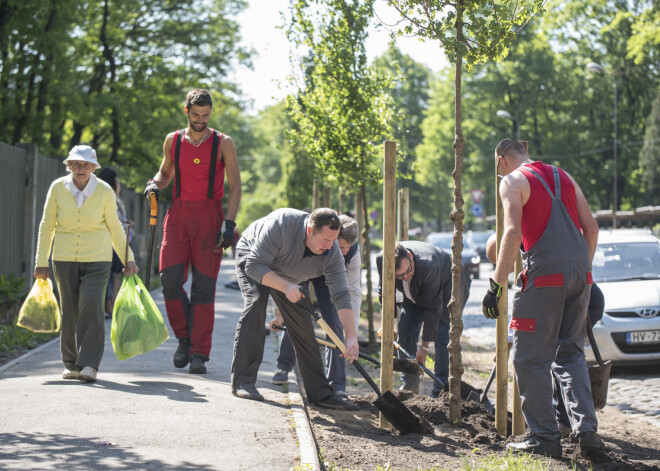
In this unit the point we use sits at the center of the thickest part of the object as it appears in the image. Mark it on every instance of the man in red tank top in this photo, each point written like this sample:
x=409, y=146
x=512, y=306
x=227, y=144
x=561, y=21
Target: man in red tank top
x=196, y=229
x=545, y=210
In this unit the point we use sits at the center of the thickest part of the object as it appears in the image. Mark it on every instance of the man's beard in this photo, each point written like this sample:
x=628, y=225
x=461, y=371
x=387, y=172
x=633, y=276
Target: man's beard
x=197, y=127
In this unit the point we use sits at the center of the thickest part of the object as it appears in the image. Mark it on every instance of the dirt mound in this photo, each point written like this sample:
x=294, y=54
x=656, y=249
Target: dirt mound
x=353, y=440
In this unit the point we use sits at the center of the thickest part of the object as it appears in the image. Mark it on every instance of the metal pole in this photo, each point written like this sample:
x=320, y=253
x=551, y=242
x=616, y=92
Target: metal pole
x=517, y=129
x=614, y=152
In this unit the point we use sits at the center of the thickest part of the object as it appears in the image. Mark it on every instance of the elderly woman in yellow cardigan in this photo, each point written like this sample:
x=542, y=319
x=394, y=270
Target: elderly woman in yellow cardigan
x=80, y=223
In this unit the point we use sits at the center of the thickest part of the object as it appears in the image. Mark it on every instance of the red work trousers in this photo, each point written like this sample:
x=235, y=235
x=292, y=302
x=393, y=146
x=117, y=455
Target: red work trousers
x=189, y=233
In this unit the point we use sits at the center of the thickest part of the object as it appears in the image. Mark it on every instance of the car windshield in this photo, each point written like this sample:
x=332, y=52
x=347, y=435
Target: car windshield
x=626, y=261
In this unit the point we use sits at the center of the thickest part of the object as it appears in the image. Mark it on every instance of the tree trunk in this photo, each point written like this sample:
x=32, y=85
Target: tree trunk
x=457, y=216
x=367, y=264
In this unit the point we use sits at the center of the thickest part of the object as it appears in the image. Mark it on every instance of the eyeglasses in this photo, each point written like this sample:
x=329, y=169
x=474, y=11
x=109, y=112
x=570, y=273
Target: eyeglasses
x=409, y=270
x=81, y=164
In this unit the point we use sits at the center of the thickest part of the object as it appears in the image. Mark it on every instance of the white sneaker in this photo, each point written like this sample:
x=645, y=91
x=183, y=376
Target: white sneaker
x=87, y=374
x=70, y=374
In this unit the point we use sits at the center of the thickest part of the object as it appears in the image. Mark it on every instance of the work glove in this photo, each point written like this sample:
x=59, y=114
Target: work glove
x=492, y=298
x=151, y=186
x=225, y=237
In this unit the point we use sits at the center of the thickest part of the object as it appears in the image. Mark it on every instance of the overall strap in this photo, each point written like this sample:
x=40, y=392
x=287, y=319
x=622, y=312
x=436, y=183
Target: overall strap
x=543, y=181
x=177, y=151
x=214, y=159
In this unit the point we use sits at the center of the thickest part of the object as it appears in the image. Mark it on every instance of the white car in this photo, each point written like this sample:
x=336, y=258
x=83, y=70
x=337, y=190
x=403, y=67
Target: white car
x=626, y=266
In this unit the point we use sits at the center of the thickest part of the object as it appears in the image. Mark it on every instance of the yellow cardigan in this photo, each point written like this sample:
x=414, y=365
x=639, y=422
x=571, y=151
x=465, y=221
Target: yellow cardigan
x=86, y=234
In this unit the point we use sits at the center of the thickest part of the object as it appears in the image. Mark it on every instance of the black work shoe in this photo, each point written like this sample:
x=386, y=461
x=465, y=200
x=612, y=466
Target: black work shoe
x=335, y=401
x=590, y=442
x=538, y=446
x=247, y=391
x=197, y=366
x=182, y=355
x=280, y=377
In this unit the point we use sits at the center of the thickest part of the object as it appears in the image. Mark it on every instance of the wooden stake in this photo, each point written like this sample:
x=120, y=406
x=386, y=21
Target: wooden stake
x=388, y=299
x=501, y=330
x=403, y=214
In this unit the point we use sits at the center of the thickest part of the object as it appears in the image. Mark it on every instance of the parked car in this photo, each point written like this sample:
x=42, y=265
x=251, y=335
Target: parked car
x=477, y=240
x=471, y=258
x=626, y=266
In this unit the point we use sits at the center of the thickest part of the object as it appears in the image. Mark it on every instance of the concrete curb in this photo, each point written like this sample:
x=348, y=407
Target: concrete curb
x=26, y=355
x=309, y=457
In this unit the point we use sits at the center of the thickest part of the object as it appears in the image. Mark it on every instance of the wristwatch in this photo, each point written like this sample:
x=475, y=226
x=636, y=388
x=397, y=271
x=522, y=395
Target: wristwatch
x=422, y=347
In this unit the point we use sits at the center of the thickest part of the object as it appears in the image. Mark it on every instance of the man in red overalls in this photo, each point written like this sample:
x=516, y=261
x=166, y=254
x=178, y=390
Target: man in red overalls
x=196, y=229
x=545, y=210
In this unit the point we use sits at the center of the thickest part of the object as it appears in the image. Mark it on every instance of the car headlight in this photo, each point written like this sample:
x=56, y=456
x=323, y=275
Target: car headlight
x=476, y=260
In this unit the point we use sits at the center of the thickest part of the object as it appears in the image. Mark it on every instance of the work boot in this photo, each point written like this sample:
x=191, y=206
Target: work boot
x=248, y=391
x=538, y=446
x=197, y=366
x=337, y=402
x=182, y=355
x=280, y=377
x=590, y=442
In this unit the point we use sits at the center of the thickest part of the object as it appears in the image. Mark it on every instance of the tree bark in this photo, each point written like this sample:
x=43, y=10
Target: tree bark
x=457, y=216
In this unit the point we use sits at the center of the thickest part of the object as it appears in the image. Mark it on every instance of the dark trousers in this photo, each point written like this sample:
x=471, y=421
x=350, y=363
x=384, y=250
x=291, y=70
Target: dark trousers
x=334, y=363
x=251, y=336
x=410, y=325
x=82, y=294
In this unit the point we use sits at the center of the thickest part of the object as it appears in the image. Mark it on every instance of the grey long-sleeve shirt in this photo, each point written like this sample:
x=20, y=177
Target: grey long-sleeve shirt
x=277, y=243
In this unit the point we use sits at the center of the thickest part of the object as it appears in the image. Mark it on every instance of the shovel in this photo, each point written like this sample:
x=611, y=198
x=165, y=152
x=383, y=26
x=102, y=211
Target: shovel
x=403, y=366
x=483, y=398
x=152, y=223
x=437, y=380
x=599, y=375
x=392, y=408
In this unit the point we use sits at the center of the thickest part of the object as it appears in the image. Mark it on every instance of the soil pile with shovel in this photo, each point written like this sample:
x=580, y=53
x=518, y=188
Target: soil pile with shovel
x=353, y=441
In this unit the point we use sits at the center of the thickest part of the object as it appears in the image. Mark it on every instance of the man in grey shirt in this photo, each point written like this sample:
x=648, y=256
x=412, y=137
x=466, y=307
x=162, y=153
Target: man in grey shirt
x=275, y=255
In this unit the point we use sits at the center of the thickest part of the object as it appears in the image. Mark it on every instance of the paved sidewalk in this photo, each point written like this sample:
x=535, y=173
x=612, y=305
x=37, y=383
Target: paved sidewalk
x=143, y=413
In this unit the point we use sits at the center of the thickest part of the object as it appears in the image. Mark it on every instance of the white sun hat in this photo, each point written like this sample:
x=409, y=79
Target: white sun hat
x=84, y=153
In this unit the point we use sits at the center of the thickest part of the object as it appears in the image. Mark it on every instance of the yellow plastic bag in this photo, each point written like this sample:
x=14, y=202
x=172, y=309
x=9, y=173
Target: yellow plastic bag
x=40, y=312
x=137, y=324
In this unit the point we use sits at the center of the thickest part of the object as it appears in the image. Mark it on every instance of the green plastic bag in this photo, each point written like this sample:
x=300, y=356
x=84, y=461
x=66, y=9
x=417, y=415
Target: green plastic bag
x=40, y=312
x=137, y=324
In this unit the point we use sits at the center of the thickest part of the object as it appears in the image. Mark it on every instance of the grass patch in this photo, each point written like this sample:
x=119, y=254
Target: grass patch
x=15, y=340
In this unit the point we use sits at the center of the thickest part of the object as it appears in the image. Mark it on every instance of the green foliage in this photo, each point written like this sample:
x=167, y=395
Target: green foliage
x=15, y=340
x=342, y=112
x=117, y=78
x=11, y=289
x=650, y=155
x=486, y=28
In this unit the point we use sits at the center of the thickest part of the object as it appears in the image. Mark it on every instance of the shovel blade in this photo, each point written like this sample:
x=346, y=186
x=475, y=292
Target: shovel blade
x=476, y=397
x=599, y=376
x=399, y=415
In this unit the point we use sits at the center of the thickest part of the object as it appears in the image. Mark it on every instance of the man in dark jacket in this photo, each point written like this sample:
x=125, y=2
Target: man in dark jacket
x=423, y=276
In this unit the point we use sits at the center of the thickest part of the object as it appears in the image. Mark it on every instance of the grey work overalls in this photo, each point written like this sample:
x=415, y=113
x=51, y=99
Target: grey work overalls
x=549, y=323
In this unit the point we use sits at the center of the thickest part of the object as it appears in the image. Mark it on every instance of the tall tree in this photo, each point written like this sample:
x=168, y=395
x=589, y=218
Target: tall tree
x=342, y=110
x=473, y=31
x=116, y=77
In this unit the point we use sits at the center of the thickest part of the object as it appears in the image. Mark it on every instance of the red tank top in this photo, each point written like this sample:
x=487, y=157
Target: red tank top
x=195, y=164
x=536, y=212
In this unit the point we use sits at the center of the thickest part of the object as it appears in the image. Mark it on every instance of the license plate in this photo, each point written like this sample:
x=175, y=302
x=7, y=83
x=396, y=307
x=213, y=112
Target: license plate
x=643, y=336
